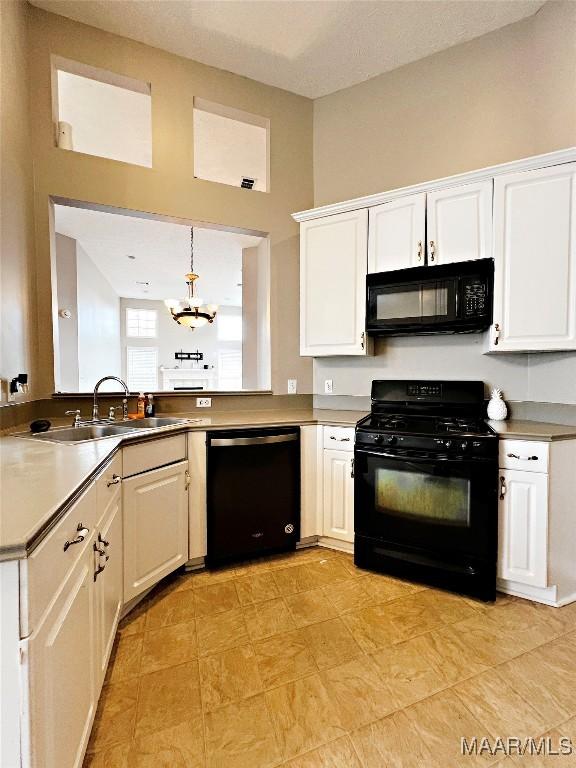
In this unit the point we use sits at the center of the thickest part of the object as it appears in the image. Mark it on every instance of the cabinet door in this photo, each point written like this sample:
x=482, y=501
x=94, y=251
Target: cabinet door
x=197, y=534
x=397, y=234
x=339, y=495
x=535, y=260
x=155, y=526
x=109, y=582
x=460, y=223
x=523, y=527
x=333, y=261
x=311, y=457
x=62, y=686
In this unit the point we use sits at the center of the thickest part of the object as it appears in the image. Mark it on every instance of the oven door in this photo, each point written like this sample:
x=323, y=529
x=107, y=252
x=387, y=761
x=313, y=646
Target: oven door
x=419, y=306
x=431, y=503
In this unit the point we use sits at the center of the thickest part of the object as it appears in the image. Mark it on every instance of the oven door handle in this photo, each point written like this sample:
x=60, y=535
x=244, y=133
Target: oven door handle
x=419, y=459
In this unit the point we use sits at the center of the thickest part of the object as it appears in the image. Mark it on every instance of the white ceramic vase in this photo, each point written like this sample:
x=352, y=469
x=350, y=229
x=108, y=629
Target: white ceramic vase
x=497, y=409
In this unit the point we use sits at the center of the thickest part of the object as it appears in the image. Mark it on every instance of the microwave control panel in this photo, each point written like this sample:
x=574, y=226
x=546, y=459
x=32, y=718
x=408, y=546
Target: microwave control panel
x=475, y=297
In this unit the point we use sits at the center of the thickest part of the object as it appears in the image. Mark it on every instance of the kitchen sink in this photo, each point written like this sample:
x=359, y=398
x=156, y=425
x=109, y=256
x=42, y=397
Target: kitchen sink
x=88, y=432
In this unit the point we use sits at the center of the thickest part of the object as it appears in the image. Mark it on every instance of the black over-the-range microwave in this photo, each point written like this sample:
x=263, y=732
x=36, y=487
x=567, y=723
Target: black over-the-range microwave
x=448, y=298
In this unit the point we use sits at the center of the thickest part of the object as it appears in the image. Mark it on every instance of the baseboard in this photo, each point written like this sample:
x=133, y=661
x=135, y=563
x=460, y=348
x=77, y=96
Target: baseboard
x=545, y=595
x=341, y=546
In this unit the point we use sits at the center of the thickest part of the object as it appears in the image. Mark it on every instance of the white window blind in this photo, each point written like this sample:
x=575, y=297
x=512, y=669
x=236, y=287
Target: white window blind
x=230, y=369
x=142, y=369
x=141, y=323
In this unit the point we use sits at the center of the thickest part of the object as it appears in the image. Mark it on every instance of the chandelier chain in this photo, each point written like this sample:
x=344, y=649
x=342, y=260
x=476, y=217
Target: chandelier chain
x=191, y=249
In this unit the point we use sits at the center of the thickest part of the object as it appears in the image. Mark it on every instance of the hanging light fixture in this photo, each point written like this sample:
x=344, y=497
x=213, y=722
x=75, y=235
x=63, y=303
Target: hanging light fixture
x=190, y=311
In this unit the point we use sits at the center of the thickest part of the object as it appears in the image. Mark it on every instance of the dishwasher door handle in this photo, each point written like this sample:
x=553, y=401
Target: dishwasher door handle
x=230, y=442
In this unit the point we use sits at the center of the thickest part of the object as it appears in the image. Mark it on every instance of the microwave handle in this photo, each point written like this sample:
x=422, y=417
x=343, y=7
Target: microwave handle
x=457, y=302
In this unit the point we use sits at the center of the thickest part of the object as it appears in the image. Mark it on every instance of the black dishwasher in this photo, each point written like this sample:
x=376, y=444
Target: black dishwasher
x=253, y=493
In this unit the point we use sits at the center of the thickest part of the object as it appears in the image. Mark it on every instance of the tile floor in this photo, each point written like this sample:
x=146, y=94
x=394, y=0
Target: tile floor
x=308, y=662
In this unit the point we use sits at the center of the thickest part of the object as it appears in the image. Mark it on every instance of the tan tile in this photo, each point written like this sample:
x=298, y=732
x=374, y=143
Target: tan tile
x=168, y=697
x=115, y=716
x=284, y=658
x=220, y=632
x=442, y=721
x=348, y=563
x=449, y=607
x=304, y=716
x=125, y=659
x=331, y=643
x=327, y=571
x=179, y=746
x=391, y=743
x=358, y=692
x=349, y=595
x=453, y=658
x=384, y=588
x=489, y=643
x=310, y=607
x=229, y=676
x=256, y=588
x=409, y=670
x=292, y=580
x=268, y=618
x=168, y=647
x=133, y=623
x=498, y=706
x=172, y=608
x=205, y=578
x=337, y=754
x=241, y=736
x=216, y=598
x=546, y=677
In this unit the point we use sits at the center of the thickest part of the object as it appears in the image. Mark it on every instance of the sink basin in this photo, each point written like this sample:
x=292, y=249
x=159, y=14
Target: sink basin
x=156, y=421
x=77, y=434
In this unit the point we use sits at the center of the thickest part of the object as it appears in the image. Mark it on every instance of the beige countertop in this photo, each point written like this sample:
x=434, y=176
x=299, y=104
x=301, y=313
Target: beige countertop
x=533, y=430
x=38, y=478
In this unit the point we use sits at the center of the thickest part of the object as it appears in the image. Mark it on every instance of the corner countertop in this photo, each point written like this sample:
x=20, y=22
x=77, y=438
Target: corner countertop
x=39, y=478
x=533, y=430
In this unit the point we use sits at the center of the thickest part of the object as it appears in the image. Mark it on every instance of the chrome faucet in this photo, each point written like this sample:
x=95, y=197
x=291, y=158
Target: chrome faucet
x=95, y=413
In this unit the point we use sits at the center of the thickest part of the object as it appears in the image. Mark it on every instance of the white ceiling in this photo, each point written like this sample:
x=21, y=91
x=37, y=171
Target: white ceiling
x=310, y=47
x=162, y=252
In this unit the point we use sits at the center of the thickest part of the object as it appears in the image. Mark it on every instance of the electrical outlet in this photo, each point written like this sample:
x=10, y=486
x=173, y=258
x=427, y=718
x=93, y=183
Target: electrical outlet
x=203, y=402
x=328, y=388
x=292, y=386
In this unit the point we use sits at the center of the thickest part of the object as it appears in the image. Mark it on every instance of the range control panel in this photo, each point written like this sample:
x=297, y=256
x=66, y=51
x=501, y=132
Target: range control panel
x=419, y=389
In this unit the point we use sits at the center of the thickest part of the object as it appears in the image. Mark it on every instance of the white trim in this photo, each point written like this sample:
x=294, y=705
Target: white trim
x=546, y=595
x=328, y=542
x=526, y=164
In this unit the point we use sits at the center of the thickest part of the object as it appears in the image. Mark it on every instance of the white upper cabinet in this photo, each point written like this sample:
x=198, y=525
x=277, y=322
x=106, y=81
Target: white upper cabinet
x=397, y=234
x=333, y=262
x=535, y=260
x=460, y=223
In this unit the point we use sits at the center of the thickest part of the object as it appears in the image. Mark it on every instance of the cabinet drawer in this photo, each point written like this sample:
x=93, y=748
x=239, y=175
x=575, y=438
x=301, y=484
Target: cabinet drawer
x=108, y=484
x=527, y=455
x=49, y=565
x=339, y=438
x=153, y=454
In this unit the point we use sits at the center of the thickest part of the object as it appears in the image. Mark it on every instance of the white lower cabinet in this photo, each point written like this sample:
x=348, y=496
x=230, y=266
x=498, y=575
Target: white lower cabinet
x=338, y=495
x=155, y=526
x=62, y=688
x=523, y=527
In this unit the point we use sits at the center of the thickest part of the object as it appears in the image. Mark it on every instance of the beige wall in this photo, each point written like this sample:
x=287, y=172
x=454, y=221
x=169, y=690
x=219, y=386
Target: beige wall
x=169, y=187
x=17, y=301
x=503, y=96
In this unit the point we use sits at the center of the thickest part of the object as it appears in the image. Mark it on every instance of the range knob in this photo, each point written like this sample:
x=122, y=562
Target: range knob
x=391, y=439
x=463, y=446
x=378, y=439
x=448, y=444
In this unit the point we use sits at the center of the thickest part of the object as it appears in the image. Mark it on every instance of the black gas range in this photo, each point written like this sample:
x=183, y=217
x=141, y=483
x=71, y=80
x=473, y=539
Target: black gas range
x=426, y=485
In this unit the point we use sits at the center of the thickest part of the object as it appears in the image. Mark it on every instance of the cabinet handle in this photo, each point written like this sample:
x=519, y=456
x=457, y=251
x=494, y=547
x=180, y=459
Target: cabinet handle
x=502, y=487
x=496, y=333
x=352, y=468
x=115, y=480
x=522, y=458
x=419, y=250
x=103, y=541
x=432, y=250
x=340, y=439
x=100, y=554
x=82, y=533
x=362, y=338
x=187, y=483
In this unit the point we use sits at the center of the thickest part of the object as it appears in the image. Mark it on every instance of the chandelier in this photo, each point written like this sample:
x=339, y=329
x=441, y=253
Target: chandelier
x=190, y=311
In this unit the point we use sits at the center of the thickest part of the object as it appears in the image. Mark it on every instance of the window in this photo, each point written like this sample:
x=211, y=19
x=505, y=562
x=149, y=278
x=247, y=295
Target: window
x=141, y=323
x=109, y=115
x=142, y=369
x=229, y=369
x=230, y=146
x=229, y=327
